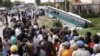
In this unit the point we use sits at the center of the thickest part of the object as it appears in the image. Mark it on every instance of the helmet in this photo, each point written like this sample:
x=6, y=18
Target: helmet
x=14, y=48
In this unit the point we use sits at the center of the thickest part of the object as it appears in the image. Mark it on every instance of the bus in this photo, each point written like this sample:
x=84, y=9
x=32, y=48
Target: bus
x=68, y=17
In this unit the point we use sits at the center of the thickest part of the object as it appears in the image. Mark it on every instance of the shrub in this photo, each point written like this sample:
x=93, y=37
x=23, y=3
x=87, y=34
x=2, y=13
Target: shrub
x=57, y=23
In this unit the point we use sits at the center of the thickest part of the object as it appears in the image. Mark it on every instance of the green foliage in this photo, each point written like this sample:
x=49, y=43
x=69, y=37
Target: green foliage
x=57, y=23
x=1, y=2
x=16, y=3
x=95, y=29
x=38, y=2
x=90, y=15
x=7, y=3
x=62, y=5
x=47, y=4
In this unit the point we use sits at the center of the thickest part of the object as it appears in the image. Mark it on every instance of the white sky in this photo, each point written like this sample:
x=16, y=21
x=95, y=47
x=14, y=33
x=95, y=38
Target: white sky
x=32, y=1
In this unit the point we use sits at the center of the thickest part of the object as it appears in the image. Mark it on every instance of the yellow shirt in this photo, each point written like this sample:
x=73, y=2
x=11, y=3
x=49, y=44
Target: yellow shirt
x=67, y=52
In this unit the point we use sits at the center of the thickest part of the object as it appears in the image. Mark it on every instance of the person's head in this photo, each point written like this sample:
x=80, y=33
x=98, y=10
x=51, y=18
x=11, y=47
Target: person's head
x=69, y=32
x=43, y=27
x=1, y=47
x=30, y=38
x=81, y=38
x=96, y=39
x=56, y=40
x=75, y=33
x=80, y=44
x=45, y=37
x=43, y=45
x=66, y=45
x=98, y=49
x=14, y=49
x=74, y=46
x=18, y=26
x=40, y=32
x=88, y=34
x=12, y=32
x=5, y=38
x=20, y=37
x=52, y=29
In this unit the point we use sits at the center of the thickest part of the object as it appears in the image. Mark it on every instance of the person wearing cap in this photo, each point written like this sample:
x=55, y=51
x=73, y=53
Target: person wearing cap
x=67, y=51
x=80, y=51
x=14, y=50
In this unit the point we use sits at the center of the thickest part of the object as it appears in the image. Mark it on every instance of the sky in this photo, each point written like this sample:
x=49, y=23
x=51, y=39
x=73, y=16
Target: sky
x=32, y=1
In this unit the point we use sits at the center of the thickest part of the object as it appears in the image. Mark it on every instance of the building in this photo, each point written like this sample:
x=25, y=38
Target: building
x=85, y=6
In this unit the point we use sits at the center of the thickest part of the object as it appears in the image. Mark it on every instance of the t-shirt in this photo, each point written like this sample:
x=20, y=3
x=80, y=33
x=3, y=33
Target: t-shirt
x=67, y=53
x=17, y=31
x=13, y=40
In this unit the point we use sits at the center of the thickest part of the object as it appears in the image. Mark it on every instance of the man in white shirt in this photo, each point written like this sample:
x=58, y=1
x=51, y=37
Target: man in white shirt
x=17, y=31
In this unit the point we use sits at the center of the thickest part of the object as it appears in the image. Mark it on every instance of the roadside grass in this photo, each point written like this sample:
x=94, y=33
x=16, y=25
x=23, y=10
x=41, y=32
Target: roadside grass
x=94, y=29
x=44, y=20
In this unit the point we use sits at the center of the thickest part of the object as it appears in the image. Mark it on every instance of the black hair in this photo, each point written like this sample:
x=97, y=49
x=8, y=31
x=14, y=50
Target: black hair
x=69, y=31
x=87, y=40
x=30, y=37
x=45, y=36
x=88, y=34
x=52, y=30
x=12, y=32
x=56, y=40
x=96, y=39
x=20, y=37
x=43, y=26
x=81, y=38
x=40, y=32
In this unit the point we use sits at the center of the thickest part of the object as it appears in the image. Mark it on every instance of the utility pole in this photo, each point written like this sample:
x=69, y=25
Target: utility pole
x=65, y=5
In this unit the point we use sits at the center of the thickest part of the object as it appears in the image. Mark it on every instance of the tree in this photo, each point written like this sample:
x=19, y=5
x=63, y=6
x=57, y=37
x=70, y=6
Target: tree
x=38, y=2
x=17, y=3
x=7, y=3
x=57, y=23
x=1, y=2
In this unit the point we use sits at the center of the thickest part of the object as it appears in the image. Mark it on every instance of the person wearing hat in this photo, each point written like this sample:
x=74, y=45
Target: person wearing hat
x=14, y=50
x=67, y=51
x=80, y=51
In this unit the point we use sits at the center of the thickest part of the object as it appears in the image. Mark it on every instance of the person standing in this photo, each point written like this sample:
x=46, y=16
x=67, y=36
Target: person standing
x=80, y=51
x=30, y=47
x=7, y=31
x=67, y=51
x=14, y=50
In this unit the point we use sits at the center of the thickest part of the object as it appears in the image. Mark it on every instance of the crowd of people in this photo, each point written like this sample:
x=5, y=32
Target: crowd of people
x=24, y=38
